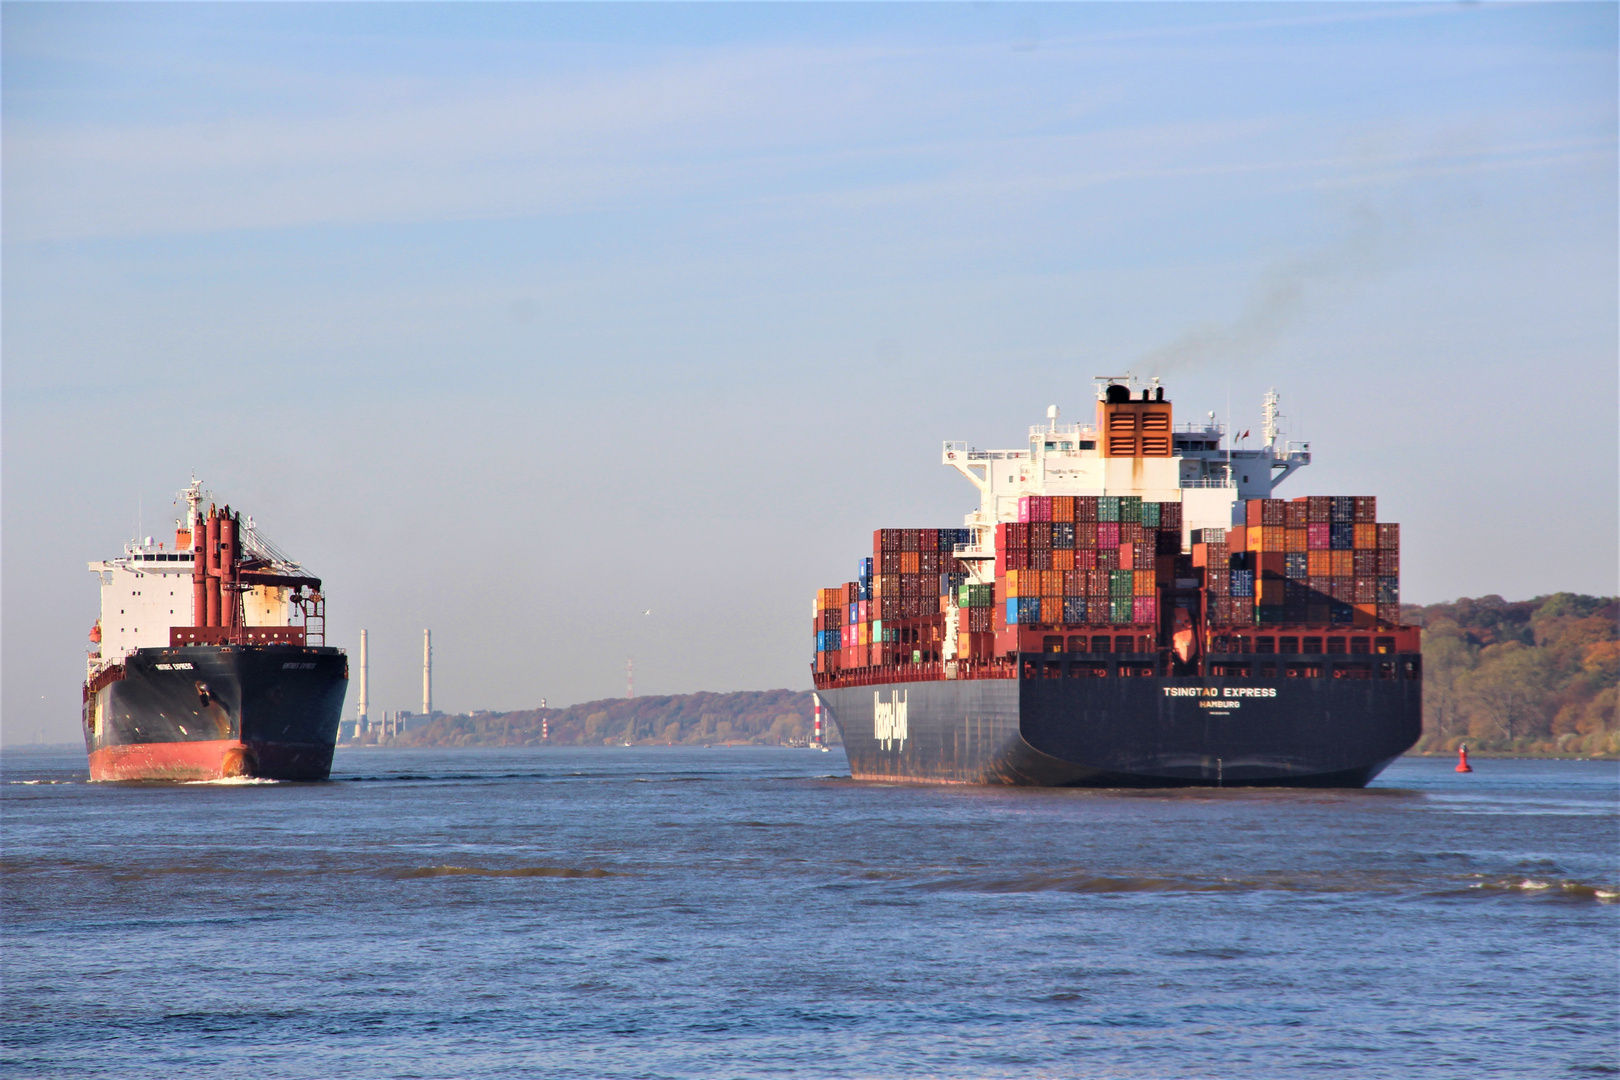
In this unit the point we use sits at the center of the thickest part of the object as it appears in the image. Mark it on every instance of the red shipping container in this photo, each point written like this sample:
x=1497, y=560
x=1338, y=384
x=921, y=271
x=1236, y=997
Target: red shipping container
x=1085, y=559
x=1318, y=535
x=1085, y=508
x=1170, y=516
x=1040, y=534
x=1366, y=509
x=1296, y=514
x=1107, y=535
x=1085, y=534
x=1319, y=508
x=1040, y=508
x=1389, y=563
x=1389, y=536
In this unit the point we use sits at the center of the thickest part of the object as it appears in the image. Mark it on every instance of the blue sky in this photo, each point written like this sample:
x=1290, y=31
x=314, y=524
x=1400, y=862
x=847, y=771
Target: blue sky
x=517, y=320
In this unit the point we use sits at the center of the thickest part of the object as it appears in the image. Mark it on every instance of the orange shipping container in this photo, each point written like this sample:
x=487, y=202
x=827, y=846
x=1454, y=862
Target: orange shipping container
x=1052, y=583
x=1319, y=563
x=1344, y=564
x=910, y=562
x=1365, y=537
x=1063, y=508
x=1052, y=609
x=1297, y=540
x=1062, y=560
x=1144, y=583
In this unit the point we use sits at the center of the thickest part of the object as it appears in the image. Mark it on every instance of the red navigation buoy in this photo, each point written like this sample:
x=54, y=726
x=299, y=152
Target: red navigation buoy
x=1462, y=760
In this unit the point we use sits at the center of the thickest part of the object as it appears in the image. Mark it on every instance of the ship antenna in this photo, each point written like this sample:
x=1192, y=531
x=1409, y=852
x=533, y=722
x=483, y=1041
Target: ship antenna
x=1271, y=414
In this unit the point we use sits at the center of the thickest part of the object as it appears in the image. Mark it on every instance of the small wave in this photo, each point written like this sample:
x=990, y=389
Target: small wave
x=511, y=872
x=233, y=781
x=1093, y=883
x=1561, y=889
x=39, y=781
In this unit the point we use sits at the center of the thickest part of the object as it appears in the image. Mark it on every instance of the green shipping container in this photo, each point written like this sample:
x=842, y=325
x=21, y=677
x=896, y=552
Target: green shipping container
x=1120, y=609
x=1108, y=508
x=1150, y=515
x=1130, y=508
x=1121, y=583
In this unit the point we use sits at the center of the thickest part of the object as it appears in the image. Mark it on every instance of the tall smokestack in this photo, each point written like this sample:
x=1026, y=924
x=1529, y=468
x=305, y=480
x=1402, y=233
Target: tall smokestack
x=365, y=696
x=427, y=674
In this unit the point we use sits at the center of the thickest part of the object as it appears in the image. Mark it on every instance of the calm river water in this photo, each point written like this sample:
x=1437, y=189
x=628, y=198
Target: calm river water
x=753, y=912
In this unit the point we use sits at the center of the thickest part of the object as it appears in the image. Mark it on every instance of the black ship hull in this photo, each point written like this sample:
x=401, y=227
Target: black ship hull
x=204, y=712
x=1129, y=731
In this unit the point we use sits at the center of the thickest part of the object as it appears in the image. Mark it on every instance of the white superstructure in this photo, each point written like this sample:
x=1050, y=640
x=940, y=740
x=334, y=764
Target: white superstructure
x=147, y=590
x=1194, y=464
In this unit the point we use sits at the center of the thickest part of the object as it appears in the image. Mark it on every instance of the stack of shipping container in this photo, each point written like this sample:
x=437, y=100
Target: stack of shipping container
x=1109, y=562
x=1319, y=560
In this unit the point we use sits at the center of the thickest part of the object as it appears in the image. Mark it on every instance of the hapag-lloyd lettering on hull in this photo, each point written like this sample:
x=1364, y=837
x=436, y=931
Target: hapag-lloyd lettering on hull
x=889, y=719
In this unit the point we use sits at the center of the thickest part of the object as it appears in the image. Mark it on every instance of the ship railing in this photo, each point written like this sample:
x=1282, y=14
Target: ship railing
x=1209, y=482
x=928, y=671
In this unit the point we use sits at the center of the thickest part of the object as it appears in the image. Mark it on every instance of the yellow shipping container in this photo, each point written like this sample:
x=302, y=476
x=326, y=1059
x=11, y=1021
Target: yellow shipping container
x=1015, y=581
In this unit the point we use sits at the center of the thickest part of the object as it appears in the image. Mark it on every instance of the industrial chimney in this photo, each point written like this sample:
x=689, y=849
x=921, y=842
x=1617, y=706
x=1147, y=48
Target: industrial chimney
x=427, y=674
x=360, y=721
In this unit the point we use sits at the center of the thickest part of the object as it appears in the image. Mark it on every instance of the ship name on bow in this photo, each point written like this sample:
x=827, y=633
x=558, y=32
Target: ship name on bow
x=889, y=719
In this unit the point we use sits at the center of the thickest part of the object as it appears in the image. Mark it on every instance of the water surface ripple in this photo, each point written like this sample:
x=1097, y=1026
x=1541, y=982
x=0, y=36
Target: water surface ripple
x=753, y=912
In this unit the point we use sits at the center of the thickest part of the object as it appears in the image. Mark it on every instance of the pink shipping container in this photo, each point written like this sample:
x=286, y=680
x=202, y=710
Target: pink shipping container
x=1318, y=536
x=1145, y=610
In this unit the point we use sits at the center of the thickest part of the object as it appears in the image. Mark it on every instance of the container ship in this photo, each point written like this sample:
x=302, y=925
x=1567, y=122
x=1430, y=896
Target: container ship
x=1128, y=606
x=209, y=660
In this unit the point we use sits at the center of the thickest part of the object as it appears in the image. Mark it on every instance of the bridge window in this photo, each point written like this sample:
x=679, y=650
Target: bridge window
x=1265, y=644
x=1335, y=646
x=1100, y=643
x=1288, y=646
x=1352, y=671
x=1383, y=645
x=1312, y=646
x=1360, y=646
x=1088, y=671
x=1229, y=671
x=1302, y=671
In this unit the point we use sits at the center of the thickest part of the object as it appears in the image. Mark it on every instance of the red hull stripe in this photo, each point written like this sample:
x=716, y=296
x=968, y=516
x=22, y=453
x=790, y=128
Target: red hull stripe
x=163, y=761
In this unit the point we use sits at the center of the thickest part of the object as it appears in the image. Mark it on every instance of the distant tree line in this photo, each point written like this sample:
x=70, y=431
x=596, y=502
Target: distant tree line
x=758, y=717
x=1531, y=676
